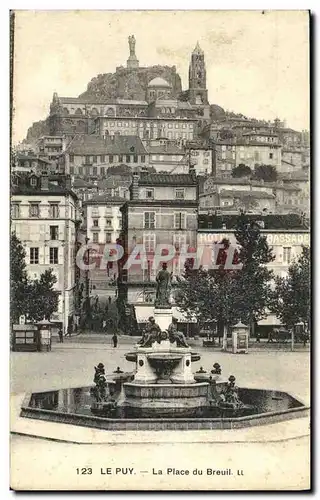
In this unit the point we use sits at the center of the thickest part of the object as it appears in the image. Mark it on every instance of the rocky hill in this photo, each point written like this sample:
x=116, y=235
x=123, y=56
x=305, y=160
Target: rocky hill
x=129, y=84
x=36, y=130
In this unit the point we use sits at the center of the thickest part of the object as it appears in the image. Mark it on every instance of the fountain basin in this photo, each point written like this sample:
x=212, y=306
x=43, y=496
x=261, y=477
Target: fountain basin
x=73, y=406
x=132, y=356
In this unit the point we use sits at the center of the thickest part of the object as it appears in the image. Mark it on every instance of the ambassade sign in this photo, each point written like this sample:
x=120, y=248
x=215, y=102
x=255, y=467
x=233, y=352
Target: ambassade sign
x=273, y=238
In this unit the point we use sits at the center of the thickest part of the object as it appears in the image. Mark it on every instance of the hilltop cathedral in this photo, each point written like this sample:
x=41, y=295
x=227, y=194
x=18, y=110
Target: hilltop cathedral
x=146, y=96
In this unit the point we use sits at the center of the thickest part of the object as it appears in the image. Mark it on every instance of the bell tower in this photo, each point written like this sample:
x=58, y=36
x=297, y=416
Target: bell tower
x=198, y=93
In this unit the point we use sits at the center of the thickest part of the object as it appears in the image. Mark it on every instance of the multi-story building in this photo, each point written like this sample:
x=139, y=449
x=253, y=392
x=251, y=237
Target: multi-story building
x=294, y=156
x=224, y=157
x=235, y=194
x=201, y=159
x=255, y=152
x=103, y=223
x=285, y=234
x=166, y=157
x=162, y=211
x=51, y=146
x=91, y=156
x=31, y=162
x=147, y=127
x=45, y=217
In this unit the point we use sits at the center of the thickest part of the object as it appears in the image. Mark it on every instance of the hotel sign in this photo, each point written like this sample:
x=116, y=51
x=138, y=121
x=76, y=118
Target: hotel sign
x=273, y=239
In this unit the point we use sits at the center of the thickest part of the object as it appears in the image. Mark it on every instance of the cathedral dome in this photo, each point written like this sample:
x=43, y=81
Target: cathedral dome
x=159, y=82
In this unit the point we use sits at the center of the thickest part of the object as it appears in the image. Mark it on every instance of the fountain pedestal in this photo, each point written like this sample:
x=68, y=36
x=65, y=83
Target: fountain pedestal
x=163, y=317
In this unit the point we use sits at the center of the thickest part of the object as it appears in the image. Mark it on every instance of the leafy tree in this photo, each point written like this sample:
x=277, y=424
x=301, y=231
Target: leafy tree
x=18, y=279
x=34, y=298
x=241, y=170
x=226, y=134
x=291, y=297
x=254, y=279
x=44, y=299
x=267, y=173
x=211, y=296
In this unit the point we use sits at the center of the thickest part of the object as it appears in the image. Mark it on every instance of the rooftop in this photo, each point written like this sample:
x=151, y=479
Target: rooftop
x=168, y=180
x=230, y=193
x=271, y=221
x=103, y=200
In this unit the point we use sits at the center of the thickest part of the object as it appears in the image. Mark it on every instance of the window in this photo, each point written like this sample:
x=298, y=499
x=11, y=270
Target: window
x=71, y=157
x=54, y=232
x=149, y=220
x=80, y=170
x=34, y=210
x=150, y=194
x=120, y=158
x=87, y=159
x=94, y=159
x=54, y=210
x=110, y=158
x=103, y=158
x=95, y=237
x=102, y=171
x=72, y=170
x=94, y=170
x=108, y=237
x=205, y=162
x=135, y=159
x=270, y=156
x=179, y=240
x=149, y=242
x=54, y=255
x=286, y=255
x=179, y=194
x=127, y=158
x=143, y=159
x=108, y=222
x=15, y=210
x=95, y=222
x=33, y=181
x=34, y=255
x=179, y=220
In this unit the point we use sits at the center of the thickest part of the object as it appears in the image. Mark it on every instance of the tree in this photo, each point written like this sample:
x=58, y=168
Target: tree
x=267, y=173
x=291, y=298
x=210, y=296
x=254, y=279
x=18, y=279
x=241, y=170
x=226, y=134
x=35, y=299
x=44, y=298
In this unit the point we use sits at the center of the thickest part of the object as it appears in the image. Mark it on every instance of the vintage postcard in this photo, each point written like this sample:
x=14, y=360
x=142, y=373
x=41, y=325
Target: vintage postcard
x=160, y=250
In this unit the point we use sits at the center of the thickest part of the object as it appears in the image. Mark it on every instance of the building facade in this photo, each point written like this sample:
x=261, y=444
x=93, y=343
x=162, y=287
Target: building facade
x=45, y=217
x=162, y=211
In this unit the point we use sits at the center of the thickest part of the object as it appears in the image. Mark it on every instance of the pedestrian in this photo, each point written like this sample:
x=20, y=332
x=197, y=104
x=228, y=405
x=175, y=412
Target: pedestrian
x=109, y=299
x=60, y=333
x=115, y=340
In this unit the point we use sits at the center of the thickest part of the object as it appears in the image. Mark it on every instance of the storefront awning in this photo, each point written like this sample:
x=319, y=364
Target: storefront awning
x=144, y=312
x=271, y=320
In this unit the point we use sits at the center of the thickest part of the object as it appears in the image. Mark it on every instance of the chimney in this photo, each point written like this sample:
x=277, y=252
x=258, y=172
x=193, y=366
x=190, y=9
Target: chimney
x=135, y=186
x=44, y=182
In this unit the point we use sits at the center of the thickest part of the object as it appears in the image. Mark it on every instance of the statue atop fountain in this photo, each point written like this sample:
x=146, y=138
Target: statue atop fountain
x=163, y=280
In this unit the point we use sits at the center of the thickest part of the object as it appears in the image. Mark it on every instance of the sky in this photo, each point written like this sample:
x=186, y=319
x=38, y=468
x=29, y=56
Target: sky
x=257, y=61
